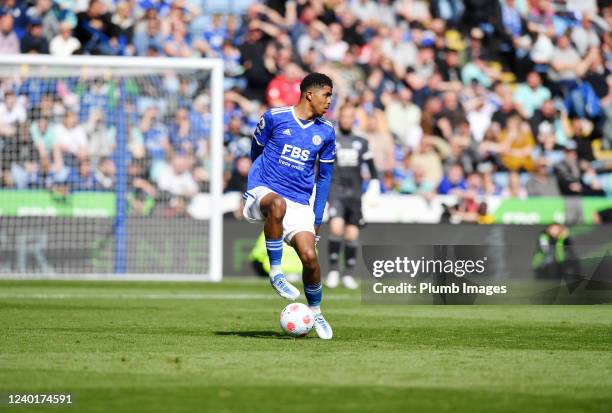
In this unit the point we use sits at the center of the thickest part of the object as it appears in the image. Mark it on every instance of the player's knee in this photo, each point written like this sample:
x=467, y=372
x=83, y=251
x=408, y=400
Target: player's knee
x=309, y=259
x=278, y=207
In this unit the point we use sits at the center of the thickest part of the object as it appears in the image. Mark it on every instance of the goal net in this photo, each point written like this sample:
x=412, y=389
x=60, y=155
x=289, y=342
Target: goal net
x=102, y=160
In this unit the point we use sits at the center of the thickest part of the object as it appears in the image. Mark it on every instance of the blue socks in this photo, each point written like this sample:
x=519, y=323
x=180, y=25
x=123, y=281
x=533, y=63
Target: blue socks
x=275, y=254
x=314, y=294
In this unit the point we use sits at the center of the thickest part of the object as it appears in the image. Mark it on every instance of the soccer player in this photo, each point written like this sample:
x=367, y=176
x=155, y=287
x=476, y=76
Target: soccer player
x=287, y=145
x=345, y=200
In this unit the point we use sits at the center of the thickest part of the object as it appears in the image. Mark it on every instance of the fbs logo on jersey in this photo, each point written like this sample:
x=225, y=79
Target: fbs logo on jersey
x=295, y=152
x=287, y=132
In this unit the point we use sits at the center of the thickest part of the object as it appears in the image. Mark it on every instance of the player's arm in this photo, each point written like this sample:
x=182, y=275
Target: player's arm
x=324, y=177
x=367, y=157
x=326, y=170
x=262, y=134
x=373, y=191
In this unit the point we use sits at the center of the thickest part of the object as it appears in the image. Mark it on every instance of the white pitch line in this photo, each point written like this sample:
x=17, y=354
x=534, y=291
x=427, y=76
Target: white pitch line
x=190, y=296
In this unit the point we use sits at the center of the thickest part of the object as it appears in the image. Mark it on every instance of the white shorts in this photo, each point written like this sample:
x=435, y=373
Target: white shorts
x=298, y=217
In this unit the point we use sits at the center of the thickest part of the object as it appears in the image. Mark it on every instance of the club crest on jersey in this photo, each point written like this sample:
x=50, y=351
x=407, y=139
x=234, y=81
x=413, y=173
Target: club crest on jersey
x=316, y=140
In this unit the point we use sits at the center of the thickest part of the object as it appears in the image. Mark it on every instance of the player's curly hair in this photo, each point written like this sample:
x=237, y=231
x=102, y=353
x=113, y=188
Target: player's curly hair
x=315, y=80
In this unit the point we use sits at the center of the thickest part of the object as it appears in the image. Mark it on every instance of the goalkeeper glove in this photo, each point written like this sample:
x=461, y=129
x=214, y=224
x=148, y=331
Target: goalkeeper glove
x=372, y=195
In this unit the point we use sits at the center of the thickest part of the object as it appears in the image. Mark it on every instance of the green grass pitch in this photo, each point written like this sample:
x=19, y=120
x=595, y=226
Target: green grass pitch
x=178, y=347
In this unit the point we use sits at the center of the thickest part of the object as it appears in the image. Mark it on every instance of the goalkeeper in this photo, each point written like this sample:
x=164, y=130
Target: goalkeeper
x=345, y=214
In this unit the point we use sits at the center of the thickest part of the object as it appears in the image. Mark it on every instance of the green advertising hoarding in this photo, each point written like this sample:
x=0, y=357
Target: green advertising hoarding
x=546, y=210
x=16, y=203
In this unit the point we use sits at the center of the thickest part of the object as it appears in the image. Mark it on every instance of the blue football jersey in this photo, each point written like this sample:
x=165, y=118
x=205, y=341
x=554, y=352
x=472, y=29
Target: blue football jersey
x=290, y=151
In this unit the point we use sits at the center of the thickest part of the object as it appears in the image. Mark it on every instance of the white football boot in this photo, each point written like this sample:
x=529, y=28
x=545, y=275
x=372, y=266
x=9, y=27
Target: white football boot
x=333, y=279
x=322, y=327
x=349, y=282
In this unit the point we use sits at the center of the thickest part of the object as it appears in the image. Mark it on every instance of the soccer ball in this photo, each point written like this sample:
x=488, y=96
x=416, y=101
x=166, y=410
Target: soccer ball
x=297, y=320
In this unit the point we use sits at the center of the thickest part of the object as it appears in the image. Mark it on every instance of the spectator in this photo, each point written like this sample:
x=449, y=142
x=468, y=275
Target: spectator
x=417, y=184
x=258, y=61
x=451, y=115
x=453, y=183
x=178, y=43
x=12, y=115
x=506, y=111
x=43, y=136
x=214, y=34
x=124, y=24
x=237, y=141
x=381, y=144
x=568, y=172
x=149, y=39
x=71, y=142
x=399, y=49
x=450, y=69
x=514, y=189
x=96, y=31
x=141, y=190
x=429, y=155
x=540, y=183
x=451, y=11
x=531, y=96
x=335, y=47
x=9, y=42
x=518, y=144
x=64, y=44
x=284, y=89
x=82, y=178
x=41, y=10
x=183, y=136
x=176, y=180
x=238, y=179
x=155, y=139
x=34, y=41
x=584, y=36
x=404, y=117
x=544, y=118
x=101, y=137
x=105, y=174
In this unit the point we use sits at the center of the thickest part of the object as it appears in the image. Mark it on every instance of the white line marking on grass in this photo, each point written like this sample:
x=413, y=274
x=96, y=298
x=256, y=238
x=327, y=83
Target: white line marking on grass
x=159, y=296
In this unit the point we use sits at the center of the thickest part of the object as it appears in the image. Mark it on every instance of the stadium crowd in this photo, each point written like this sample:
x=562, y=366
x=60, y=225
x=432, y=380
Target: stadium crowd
x=464, y=97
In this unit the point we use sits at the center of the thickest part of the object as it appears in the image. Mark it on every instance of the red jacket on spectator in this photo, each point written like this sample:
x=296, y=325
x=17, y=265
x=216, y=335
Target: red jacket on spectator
x=283, y=91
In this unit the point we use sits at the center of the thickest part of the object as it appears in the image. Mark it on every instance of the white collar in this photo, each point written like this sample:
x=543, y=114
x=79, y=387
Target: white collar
x=304, y=126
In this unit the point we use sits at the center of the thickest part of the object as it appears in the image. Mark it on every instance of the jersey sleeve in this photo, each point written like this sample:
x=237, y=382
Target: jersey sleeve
x=263, y=130
x=366, y=152
x=328, y=152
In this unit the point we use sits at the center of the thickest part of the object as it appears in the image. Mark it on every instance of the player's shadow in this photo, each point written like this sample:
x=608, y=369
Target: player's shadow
x=253, y=334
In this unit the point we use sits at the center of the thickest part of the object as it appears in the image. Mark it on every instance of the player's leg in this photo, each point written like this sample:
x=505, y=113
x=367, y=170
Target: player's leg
x=304, y=244
x=354, y=220
x=351, y=237
x=273, y=208
x=336, y=229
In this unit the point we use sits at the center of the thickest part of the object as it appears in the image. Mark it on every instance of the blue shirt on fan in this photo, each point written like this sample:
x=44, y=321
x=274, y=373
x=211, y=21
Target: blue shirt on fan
x=291, y=148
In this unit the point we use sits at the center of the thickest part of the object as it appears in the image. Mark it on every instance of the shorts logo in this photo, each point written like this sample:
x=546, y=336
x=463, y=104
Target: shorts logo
x=316, y=140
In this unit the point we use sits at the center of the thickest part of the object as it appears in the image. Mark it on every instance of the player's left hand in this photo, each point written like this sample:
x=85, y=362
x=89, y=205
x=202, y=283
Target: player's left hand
x=317, y=236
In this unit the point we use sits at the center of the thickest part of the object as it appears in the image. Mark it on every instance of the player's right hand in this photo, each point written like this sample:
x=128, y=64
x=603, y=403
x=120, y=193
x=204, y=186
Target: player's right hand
x=372, y=195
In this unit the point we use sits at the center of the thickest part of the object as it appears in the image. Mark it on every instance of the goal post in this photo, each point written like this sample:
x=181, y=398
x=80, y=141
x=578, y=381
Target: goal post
x=160, y=117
